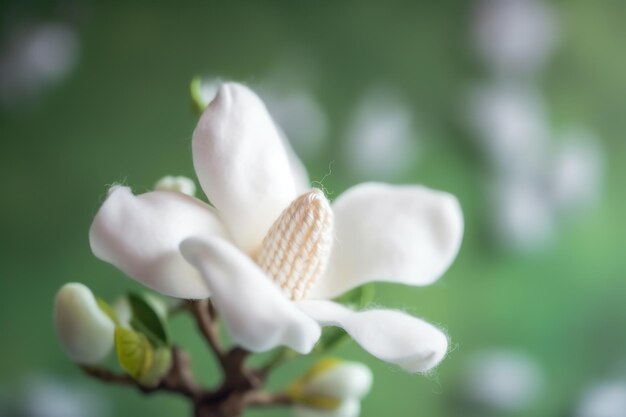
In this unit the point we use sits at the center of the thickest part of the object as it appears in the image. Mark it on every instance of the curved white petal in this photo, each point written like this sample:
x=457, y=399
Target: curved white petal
x=298, y=170
x=140, y=235
x=348, y=408
x=257, y=314
x=404, y=234
x=343, y=381
x=242, y=164
x=393, y=336
x=84, y=330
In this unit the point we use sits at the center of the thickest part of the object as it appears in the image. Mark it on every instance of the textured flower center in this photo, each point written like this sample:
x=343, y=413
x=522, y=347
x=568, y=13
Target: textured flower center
x=296, y=250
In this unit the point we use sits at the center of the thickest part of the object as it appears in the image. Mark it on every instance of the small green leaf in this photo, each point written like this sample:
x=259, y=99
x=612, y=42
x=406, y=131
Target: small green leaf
x=331, y=338
x=107, y=310
x=160, y=366
x=358, y=298
x=147, y=321
x=134, y=352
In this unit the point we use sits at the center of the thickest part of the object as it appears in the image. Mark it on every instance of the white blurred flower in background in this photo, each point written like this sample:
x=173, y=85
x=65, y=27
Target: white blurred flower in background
x=511, y=126
x=607, y=399
x=301, y=117
x=380, y=141
x=523, y=217
x=538, y=173
x=577, y=169
x=48, y=396
x=35, y=58
x=502, y=381
x=514, y=36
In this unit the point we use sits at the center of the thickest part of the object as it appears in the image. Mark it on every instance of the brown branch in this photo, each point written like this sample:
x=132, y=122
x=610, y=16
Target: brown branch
x=240, y=388
x=205, y=319
x=179, y=379
x=107, y=376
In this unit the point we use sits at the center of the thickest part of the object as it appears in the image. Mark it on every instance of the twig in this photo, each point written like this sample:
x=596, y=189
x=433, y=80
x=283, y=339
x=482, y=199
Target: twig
x=179, y=378
x=240, y=388
x=108, y=376
x=280, y=357
x=201, y=310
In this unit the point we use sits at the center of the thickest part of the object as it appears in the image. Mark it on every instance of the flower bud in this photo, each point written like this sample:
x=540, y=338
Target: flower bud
x=84, y=330
x=331, y=386
x=177, y=184
x=203, y=91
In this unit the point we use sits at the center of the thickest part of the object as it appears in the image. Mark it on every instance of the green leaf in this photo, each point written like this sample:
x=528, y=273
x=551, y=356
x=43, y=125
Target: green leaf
x=358, y=298
x=331, y=338
x=134, y=352
x=160, y=366
x=147, y=321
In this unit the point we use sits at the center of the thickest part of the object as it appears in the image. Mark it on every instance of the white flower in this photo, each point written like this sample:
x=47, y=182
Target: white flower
x=262, y=252
x=577, y=169
x=606, y=399
x=36, y=57
x=515, y=36
x=380, y=142
x=332, y=388
x=84, y=330
x=503, y=381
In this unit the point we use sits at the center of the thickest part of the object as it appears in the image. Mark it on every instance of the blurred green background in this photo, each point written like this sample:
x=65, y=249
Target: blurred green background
x=123, y=114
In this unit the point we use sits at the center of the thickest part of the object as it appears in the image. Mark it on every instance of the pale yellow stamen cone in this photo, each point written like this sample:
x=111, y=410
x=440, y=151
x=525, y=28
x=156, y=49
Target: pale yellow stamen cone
x=296, y=249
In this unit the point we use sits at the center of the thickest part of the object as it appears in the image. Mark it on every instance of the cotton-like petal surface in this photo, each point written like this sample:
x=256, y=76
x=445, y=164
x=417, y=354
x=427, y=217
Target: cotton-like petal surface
x=404, y=234
x=393, y=336
x=140, y=235
x=257, y=314
x=242, y=164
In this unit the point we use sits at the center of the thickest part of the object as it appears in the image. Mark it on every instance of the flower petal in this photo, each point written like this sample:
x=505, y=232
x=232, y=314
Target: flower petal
x=140, y=235
x=393, y=336
x=257, y=314
x=403, y=234
x=242, y=164
x=84, y=330
x=298, y=170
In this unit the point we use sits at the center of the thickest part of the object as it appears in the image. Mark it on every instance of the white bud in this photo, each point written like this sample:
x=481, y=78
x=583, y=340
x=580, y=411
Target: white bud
x=203, y=91
x=84, y=330
x=343, y=380
x=331, y=388
x=178, y=184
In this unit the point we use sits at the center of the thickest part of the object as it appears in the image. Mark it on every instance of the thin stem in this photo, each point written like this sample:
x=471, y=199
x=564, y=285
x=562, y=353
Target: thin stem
x=107, y=376
x=202, y=312
x=280, y=357
x=179, y=378
x=240, y=388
